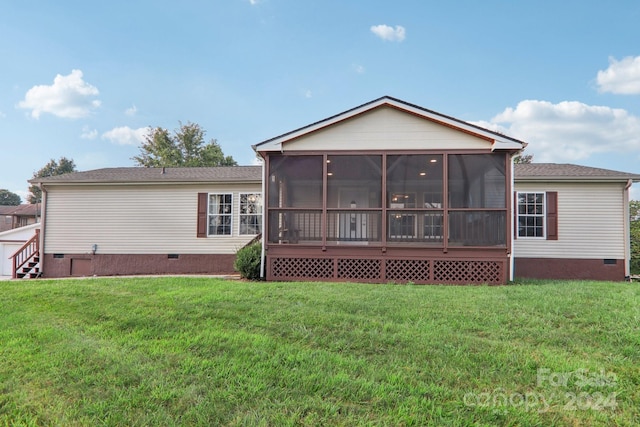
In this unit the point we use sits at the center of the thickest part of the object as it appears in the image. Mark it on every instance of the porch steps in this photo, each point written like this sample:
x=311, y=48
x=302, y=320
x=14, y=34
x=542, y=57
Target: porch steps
x=31, y=270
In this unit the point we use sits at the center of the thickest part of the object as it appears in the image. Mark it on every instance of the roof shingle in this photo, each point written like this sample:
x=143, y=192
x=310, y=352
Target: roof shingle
x=566, y=171
x=158, y=175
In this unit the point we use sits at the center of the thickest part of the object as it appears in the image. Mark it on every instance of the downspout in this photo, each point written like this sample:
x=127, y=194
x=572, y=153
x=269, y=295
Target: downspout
x=43, y=221
x=627, y=230
x=512, y=261
x=264, y=202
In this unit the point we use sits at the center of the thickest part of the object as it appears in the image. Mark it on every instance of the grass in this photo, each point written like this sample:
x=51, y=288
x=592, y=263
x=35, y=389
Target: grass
x=201, y=351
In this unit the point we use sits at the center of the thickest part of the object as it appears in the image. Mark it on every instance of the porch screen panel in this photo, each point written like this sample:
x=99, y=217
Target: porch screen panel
x=477, y=200
x=477, y=181
x=295, y=198
x=295, y=182
x=354, y=179
x=477, y=228
x=415, y=198
x=354, y=198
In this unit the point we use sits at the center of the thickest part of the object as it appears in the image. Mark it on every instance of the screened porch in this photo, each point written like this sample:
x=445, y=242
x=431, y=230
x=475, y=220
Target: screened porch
x=419, y=200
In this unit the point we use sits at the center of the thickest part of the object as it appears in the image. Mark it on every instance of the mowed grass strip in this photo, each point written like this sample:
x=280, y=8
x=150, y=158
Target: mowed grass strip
x=201, y=351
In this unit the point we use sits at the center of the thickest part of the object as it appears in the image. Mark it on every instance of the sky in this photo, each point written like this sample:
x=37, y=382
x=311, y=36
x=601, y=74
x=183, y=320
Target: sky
x=86, y=80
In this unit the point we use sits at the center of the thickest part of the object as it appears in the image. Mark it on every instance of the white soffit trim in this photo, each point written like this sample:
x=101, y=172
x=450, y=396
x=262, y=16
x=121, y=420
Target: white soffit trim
x=505, y=144
x=498, y=142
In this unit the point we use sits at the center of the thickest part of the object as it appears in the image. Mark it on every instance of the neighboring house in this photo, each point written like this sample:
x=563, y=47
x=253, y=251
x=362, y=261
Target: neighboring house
x=10, y=242
x=136, y=220
x=18, y=216
x=572, y=222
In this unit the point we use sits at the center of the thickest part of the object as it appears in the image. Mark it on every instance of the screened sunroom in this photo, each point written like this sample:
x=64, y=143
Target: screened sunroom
x=386, y=210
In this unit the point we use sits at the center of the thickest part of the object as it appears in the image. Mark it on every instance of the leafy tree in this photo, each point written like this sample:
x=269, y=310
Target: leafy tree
x=186, y=147
x=634, y=214
x=523, y=158
x=7, y=198
x=52, y=168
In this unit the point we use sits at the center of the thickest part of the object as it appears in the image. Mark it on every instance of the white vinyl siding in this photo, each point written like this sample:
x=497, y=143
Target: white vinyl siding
x=387, y=127
x=590, y=222
x=135, y=219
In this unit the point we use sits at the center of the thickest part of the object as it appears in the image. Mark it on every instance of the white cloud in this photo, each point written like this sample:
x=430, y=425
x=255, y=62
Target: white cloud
x=254, y=2
x=359, y=69
x=568, y=131
x=68, y=97
x=88, y=133
x=386, y=32
x=622, y=77
x=257, y=161
x=131, y=111
x=124, y=135
x=308, y=94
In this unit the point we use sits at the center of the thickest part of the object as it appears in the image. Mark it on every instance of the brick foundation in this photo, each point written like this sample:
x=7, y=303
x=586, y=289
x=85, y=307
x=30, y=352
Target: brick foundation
x=576, y=269
x=78, y=265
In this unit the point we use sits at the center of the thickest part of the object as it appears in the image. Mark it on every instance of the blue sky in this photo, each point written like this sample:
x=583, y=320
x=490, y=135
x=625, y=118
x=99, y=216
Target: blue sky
x=85, y=80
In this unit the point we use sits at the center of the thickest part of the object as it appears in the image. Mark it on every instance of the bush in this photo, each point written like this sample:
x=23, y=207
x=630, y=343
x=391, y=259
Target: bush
x=248, y=261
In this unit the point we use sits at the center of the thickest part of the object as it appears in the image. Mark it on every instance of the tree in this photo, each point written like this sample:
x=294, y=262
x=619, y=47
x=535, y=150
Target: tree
x=7, y=198
x=523, y=158
x=186, y=147
x=634, y=214
x=52, y=168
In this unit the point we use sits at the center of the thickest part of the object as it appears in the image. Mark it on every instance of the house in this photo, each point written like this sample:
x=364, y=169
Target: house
x=572, y=222
x=385, y=192
x=122, y=221
x=393, y=192
x=18, y=216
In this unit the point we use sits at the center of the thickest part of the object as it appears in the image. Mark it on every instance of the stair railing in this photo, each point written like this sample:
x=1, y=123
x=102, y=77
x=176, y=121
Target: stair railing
x=28, y=251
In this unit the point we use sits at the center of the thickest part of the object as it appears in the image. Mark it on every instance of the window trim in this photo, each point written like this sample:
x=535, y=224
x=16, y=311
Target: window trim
x=543, y=215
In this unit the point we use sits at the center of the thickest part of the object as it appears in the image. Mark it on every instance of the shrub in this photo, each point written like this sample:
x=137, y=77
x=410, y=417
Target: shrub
x=247, y=261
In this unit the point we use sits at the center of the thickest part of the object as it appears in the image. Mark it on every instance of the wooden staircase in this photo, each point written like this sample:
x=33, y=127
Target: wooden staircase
x=26, y=260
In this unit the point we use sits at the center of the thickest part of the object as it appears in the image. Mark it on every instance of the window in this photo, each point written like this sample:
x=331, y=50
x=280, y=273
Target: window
x=250, y=213
x=402, y=226
x=220, y=208
x=432, y=227
x=531, y=214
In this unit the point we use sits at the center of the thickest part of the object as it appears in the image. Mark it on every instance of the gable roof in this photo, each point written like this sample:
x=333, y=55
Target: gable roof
x=568, y=172
x=499, y=141
x=137, y=175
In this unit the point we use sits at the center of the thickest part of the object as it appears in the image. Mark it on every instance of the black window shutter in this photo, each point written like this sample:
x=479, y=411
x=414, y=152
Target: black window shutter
x=202, y=215
x=552, y=215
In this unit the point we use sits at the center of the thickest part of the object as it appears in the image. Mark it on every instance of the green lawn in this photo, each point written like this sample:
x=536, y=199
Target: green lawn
x=200, y=351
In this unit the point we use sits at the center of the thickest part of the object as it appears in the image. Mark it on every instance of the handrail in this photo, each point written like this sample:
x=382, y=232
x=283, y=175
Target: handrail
x=30, y=249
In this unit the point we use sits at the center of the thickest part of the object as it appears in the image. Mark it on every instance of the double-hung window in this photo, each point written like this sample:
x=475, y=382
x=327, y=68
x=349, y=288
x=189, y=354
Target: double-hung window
x=250, y=213
x=531, y=215
x=220, y=214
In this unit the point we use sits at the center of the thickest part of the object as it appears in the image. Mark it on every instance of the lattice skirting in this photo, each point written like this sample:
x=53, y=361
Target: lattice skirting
x=389, y=270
